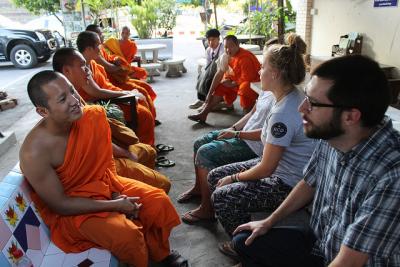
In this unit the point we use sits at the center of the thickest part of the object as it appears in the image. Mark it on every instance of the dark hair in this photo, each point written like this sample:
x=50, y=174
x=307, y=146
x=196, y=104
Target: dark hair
x=86, y=39
x=125, y=28
x=358, y=82
x=232, y=38
x=35, y=87
x=288, y=59
x=63, y=57
x=274, y=40
x=92, y=27
x=212, y=33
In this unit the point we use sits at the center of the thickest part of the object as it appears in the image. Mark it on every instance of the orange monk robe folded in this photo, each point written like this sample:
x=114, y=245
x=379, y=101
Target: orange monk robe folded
x=145, y=119
x=88, y=171
x=246, y=69
x=122, y=78
x=143, y=170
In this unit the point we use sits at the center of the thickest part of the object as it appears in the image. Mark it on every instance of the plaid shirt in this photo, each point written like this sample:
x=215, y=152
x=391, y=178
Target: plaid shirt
x=357, y=198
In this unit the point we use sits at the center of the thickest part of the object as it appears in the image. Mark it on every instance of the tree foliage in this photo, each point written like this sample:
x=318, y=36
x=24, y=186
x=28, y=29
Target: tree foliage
x=38, y=6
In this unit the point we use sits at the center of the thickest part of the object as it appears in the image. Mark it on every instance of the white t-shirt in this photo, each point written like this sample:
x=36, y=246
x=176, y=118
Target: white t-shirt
x=263, y=106
x=284, y=127
x=219, y=50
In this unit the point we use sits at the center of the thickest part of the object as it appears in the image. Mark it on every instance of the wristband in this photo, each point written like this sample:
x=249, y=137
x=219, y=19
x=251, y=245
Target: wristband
x=234, y=127
x=237, y=134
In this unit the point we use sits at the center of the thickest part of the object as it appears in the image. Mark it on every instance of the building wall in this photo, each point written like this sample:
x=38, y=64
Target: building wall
x=380, y=28
x=8, y=9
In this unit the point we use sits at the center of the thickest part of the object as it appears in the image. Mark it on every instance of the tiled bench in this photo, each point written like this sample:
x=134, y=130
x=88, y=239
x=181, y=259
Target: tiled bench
x=24, y=235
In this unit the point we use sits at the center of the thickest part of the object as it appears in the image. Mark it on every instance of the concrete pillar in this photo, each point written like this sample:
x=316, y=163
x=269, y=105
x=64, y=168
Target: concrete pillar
x=304, y=21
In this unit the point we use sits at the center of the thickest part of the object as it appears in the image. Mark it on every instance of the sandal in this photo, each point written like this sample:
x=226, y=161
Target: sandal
x=164, y=162
x=196, y=118
x=186, y=197
x=227, y=249
x=164, y=148
x=190, y=218
x=175, y=260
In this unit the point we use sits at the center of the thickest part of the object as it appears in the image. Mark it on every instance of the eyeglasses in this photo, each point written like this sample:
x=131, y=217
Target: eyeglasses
x=311, y=104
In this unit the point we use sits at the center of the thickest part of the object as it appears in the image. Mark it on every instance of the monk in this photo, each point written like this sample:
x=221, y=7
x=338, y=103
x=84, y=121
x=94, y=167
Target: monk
x=88, y=44
x=125, y=49
x=243, y=68
x=135, y=161
x=67, y=159
x=119, y=71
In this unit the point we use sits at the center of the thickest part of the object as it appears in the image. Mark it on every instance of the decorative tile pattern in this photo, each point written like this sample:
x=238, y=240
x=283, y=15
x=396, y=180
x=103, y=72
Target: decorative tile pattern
x=36, y=256
x=21, y=234
x=85, y=263
x=12, y=251
x=73, y=259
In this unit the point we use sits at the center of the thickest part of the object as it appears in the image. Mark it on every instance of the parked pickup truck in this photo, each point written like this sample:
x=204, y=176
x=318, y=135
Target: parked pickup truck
x=26, y=48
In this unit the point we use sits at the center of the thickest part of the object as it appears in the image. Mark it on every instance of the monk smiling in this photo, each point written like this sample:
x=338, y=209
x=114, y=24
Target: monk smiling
x=67, y=159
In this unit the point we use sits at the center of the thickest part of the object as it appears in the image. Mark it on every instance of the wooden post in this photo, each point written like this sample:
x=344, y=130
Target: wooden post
x=215, y=13
x=281, y=22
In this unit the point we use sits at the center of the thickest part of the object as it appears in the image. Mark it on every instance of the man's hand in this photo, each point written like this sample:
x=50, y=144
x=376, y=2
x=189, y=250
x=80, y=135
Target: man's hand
x=128, y=206
x=228, y=83
x=224, y=181
x=257, y=228
x=117, y=62
x=226, y=134
x=135, y=93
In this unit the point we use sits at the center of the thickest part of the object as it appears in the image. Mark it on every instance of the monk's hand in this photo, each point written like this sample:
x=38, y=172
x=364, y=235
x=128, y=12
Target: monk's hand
x=228, y=83
x=257, y=228
x=224, y=181
x=226, y=134
x=136, y=93
x=117, y=62
x=127, y=205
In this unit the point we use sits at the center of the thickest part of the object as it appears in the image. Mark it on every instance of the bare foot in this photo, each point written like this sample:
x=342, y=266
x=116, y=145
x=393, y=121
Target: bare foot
x=188, y=195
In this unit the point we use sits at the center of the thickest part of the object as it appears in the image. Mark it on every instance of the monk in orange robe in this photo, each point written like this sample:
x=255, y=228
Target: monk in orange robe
x=242, y=69
x=132, y=159
x=88, y=44
x=119, y=70
x=67, y=159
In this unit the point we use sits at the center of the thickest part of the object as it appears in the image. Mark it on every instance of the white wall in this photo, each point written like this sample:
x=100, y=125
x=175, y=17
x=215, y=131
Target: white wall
x=380, y=28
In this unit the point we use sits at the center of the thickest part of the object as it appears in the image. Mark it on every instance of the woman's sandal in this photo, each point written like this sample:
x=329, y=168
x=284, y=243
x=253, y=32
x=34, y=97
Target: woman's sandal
x=190, y=218
x=227, y=249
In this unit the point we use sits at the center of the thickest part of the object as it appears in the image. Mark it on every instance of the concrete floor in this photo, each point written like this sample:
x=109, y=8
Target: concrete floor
x=198, y=243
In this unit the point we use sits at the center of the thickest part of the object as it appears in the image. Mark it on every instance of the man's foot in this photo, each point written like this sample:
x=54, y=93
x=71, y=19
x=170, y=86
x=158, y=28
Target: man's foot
x=175, y=260
x=227, y=249
x=197, y=118
x=187, y=196
x=196, y=104
x=195, y=216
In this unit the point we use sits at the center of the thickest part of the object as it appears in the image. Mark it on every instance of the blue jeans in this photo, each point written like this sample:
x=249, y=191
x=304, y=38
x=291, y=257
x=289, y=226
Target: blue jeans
x=211, y=153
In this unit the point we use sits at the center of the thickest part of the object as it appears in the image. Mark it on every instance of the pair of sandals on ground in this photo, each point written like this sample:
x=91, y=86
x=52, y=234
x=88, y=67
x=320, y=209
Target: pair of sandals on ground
x=162, y=161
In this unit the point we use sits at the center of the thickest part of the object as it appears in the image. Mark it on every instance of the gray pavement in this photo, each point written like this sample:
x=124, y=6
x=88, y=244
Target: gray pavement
x=196, y=242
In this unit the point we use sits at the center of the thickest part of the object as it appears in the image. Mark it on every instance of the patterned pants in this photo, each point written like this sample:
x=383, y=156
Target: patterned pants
x=234, y=203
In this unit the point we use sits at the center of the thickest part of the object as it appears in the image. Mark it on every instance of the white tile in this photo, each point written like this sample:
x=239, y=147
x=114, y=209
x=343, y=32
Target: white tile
x=97, y=255
x=73, y=259
x=53, y=260
x=53, y=249
x=101, y=264
x=36, y=256
x=44, y=239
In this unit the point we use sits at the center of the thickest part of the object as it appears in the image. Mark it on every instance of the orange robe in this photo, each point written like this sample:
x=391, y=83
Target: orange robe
x=246, y=69
x=143, y=170
x=145, y=118
x=88, y=171
x=122, y=78
x=126, y=51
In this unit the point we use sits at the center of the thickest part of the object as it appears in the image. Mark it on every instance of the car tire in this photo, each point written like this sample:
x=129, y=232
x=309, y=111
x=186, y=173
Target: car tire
x=23, y=56
x=43, y=59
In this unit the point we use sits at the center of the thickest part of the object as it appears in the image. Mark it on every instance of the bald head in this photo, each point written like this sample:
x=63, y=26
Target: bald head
x=35, y=87
x=64, y=57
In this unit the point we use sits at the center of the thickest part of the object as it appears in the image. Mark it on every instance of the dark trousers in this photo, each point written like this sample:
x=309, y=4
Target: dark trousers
x=201, y=97
x=282, y=246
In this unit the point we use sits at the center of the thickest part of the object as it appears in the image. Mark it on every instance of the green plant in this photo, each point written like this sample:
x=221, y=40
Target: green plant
x=166, y=12
x=144, y=17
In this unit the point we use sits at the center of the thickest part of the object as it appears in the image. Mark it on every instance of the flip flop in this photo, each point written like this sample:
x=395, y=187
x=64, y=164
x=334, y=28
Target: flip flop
x=196, y=119
x=175, y=260
x=186, y=197
x=164, y=162
x=227, y=249
x=190, y=218
x=164, y=148
x=157, y=122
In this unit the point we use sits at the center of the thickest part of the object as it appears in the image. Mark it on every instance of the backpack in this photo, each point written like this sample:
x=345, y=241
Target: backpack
x=205, y=77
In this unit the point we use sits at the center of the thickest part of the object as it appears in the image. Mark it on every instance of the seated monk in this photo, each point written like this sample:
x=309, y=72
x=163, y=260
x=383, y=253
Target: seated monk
x=88, y=44
x=134, y=160
x=242, y=69
x=125, y=49
x=118, y=72
x=67, y=159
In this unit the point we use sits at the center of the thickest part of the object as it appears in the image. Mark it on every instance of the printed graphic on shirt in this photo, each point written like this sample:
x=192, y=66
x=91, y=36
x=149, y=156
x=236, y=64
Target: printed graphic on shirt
x=278, y=130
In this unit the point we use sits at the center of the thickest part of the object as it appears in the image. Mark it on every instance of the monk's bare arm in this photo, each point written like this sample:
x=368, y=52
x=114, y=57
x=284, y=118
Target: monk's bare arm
x=94, y=90
x=44, y=180
x=216, y=80
x=110, y=68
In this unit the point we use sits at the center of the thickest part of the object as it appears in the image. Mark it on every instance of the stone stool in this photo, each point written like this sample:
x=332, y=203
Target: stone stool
x=152, y=70
x=175, y=67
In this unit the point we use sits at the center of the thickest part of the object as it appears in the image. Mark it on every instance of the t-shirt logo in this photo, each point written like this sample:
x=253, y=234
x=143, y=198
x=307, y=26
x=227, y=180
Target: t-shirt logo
x=278, y=130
